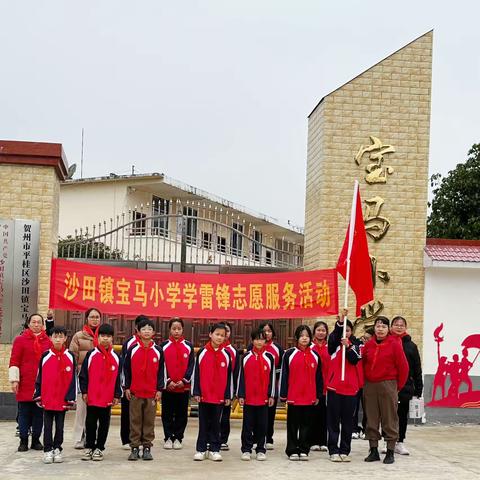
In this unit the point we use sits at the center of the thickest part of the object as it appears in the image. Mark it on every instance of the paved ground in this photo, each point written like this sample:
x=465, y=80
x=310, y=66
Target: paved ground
x=447, y=452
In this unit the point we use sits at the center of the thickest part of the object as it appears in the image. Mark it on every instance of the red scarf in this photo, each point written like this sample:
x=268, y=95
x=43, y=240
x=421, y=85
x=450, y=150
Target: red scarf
x=37, y=344
x=145, y=350
x=320, y=343
x=88, y=330
x=177, y=344
x=262, y=367
x=401, y=335
x=219, y=358
x=108, y=362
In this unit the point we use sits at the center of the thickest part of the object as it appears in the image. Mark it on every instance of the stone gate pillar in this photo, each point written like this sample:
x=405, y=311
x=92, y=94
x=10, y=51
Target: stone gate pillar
x=375, y=128
x=30, y=175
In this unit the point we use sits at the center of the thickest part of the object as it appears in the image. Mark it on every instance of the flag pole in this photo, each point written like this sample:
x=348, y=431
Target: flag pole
x=351, y=232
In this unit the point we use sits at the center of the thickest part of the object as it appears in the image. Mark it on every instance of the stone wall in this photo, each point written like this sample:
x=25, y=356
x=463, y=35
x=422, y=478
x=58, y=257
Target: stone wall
x=390, y=101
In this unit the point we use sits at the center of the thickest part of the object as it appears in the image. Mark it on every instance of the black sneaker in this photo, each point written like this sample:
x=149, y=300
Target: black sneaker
x=389, y=457
x=36, y=444
x=147, y=455
x=23, y=447
x=373, y=455
x=134, y=456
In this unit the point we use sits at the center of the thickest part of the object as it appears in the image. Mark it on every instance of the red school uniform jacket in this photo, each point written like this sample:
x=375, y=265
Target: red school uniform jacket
x=301, y=381
x=322, y=350
x=56, y=384
x=27, y=350
x=256, y=379
x=212, y=375
x=144, y=370
x=100, y=377
x=179, y=358
x=234, y=356
x=385, y=361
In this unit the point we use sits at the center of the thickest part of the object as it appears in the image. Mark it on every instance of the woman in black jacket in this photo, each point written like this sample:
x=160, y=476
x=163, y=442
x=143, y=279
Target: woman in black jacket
x=414, y=385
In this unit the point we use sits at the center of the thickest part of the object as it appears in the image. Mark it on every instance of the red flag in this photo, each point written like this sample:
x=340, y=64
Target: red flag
x=355, y=247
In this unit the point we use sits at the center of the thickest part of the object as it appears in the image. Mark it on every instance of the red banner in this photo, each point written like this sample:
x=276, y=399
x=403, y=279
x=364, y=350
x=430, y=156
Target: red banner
x=116, y=290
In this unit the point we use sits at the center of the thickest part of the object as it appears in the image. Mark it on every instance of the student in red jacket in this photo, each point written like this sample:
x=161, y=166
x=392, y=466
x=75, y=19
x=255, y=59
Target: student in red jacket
x=125, y=404
x=179, y=358
x=55, y=391
x=342, y=394
x=386, y=371
x=27, y=349
x=256, y=392
x=277, y=351
x=319, y=431
x=227, y=409
x=144, y=382
x=212, y=388
x=100, y=387
x=301, y=386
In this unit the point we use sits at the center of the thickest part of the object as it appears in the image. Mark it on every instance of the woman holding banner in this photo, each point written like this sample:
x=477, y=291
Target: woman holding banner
x=82, y=342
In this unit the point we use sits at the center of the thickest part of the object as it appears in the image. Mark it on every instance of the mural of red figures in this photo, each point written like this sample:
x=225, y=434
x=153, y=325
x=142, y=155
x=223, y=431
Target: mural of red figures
x=460, y=392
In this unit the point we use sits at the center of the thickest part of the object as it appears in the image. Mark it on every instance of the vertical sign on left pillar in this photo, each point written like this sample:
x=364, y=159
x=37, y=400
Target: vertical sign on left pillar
x=20, y=249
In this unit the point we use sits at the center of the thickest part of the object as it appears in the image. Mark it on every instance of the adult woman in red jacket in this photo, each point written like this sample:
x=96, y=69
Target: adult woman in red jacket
x=26, y=352
x=386, y=371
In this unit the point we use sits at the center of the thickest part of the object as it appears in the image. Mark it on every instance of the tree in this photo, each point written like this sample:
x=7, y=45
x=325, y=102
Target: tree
x=456, y=203
x=81, y=246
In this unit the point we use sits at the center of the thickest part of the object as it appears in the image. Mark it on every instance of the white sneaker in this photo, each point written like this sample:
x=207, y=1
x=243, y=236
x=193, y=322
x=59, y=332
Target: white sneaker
x=80, y=445
x=304, y=457
x=401, y=449
x=355, y=436
x=200, y=456
x=363, y=436
x=48, y=457
x=345, y=458
x=215, y=456
x=335, y=458
x=384, y=448
x=246, y=456
x=224, y=447
x=294, y=457
x=315, y=448
x=87, y=455
x=269, y=446
x=57, y=456
x=126, y=446
x=97, y=455
x=324, y=448
x=177, y=445
x=261, y=457
x=168, y=445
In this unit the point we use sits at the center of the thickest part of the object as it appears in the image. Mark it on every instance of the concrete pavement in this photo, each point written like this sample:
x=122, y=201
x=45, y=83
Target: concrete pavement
x=437, y=451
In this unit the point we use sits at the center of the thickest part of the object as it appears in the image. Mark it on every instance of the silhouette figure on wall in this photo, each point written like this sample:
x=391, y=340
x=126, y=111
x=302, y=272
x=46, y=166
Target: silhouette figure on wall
x=458, y=373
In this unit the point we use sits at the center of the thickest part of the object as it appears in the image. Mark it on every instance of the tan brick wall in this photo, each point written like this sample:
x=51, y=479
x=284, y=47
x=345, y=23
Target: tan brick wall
x=5, y=350
x=390, y=101
x=31, y=192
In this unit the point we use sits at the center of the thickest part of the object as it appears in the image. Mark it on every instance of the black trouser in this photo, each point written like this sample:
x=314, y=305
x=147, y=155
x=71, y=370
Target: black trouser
x=340, y=413
x=299, y=425
x=96, y=427
x=319, y=423
x=125, y=420
x=209, y=426
x=358, y=401
x=403, y=410
x=225, y=424
x=272, y=411
x=174, y=415
x=254, y=428
x=49, y=441
x=30, y=415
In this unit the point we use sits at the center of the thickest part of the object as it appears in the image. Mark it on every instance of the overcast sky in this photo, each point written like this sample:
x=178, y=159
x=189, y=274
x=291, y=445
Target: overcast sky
x=216, y=93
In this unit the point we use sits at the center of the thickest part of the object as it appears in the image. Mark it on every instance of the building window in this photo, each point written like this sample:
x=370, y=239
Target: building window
x=236, y=240
x=221, y=244
x=207, y=240
x=139, y=226
x=160, y=210
x=257, y=245
x=191, y=232
x=268, y=257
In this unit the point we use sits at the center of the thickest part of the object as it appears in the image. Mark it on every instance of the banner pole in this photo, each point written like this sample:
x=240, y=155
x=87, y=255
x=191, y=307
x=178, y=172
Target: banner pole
x=351, y=232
